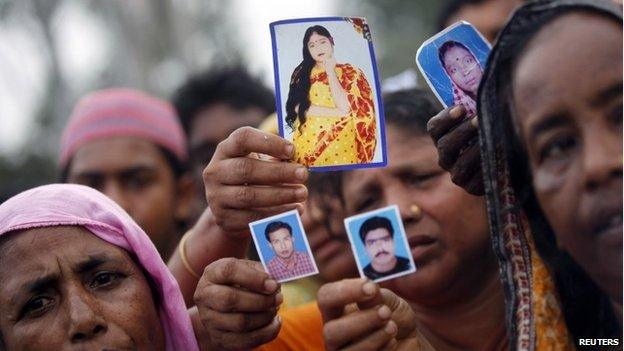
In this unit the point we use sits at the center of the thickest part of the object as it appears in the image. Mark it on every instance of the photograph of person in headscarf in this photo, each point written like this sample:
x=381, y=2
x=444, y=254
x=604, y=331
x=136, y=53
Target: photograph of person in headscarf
x=330, y=109
x=452, y=62
x=464, y=71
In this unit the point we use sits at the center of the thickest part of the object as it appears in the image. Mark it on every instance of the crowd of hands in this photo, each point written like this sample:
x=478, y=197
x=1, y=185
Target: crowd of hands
x=237, y=301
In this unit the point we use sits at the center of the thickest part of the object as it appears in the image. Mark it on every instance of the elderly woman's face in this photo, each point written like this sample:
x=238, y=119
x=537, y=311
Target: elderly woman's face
x=449, y=239
x=320, y=47
x=463, y=68
x=568, y=103
x=63, y=288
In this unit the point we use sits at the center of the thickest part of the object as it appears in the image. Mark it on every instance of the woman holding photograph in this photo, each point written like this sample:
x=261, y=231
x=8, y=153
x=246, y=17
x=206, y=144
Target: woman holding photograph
x=330, y=107
x=464, y=71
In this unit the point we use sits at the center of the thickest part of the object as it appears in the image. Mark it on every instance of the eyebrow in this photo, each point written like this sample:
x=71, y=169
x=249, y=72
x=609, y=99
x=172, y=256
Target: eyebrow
x=91, y=263
x=545, y=125
x=607, y=94
x=40, y=283
x=123, y=173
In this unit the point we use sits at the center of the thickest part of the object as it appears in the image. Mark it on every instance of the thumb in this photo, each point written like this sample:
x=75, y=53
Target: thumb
x=402, y=313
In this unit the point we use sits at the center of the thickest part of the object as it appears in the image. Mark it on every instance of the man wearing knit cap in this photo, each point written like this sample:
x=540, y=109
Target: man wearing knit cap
x=131, y=147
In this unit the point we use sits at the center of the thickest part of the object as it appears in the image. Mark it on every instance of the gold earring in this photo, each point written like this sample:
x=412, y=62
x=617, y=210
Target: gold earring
x=415, y=211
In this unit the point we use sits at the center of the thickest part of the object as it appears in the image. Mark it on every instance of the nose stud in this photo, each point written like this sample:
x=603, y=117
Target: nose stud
x=415, y=211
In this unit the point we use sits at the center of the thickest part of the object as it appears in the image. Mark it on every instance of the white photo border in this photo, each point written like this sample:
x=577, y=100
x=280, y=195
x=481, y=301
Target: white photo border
x=303, y=235
x=395, y=209
x=380, y=113
x=431, y=40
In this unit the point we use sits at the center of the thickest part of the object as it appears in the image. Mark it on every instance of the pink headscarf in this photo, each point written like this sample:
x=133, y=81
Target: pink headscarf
x=70, y=204
x=123, y=112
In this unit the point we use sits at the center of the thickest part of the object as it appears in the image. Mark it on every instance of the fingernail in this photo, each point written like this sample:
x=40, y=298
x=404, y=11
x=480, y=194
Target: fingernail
x=368, y=288
x=456, y=111
x=289, y=150
x=278, y=319
x=301, y=173
x=279, y=298
x=391, y=328
x=475, y=122
x=270, y=285
x=301, y=193
x=384, y=312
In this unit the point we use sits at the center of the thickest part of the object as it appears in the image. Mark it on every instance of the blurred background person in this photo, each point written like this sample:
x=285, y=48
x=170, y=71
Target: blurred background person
x=214, y=103
x=130, y=146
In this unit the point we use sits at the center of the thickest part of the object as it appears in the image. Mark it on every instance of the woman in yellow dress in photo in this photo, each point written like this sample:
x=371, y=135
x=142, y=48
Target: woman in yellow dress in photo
x=330, y=107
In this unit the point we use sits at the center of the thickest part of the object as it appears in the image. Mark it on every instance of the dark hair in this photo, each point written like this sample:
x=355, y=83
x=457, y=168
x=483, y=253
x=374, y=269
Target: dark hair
x=452, y=7
x=410, y=110
x=233, y=86
x=275, y=226
x=299, y=90
x=178, y=167
x=376, y=222
x=447, y=45
x=586, y=308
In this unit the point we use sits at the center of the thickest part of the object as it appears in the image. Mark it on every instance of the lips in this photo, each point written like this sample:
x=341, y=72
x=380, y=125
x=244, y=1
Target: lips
x=420, y=245
x=472, y=81
x=607, y=225
x=327, y=250
x=604, y=219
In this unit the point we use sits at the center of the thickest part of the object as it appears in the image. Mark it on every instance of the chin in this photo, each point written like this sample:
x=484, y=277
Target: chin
x=424, y=286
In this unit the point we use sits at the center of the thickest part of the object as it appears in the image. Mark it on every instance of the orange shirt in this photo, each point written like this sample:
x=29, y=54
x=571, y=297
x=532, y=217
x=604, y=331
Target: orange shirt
x=302, y=329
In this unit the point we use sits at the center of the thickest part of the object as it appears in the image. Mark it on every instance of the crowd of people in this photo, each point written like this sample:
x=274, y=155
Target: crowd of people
x=513, y=218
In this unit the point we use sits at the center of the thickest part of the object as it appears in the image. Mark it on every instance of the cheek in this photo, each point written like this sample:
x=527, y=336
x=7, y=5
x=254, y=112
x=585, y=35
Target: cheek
x=36, y=337
x=460, y=217
x=559, y=205
x=133, y=310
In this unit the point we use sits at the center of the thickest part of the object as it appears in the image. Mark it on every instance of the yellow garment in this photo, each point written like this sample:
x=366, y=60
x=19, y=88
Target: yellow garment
x=337, y=140
x=340, y=152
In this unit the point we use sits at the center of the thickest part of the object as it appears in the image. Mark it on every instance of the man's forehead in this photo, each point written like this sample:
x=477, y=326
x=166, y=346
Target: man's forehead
x=377, y=233
x=215, y=122
x=116, y=155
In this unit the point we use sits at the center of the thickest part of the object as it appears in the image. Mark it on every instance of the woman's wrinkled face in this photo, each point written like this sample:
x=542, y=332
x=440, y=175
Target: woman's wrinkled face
x=449, y=239
x=63, y=288
x=463, y=68
x=568, y=106
x=320, y=47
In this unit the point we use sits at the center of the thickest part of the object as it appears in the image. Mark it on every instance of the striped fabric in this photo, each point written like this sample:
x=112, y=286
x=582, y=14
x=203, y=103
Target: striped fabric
x=122, y=112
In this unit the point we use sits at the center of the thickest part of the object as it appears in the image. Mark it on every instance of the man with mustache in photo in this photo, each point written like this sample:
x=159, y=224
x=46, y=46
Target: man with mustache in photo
x=377, y=235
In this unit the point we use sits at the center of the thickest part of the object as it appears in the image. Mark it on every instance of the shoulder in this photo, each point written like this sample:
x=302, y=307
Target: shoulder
x=302, y=255
x=272, y=262
x=347, y=67
x=403, y=262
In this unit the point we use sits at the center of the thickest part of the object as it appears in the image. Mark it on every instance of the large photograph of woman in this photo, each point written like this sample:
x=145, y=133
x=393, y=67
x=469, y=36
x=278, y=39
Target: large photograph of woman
x=327, y=92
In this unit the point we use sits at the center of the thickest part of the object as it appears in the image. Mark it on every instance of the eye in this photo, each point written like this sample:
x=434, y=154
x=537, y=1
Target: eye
x=453, y=70
x=557, y=148
x=365, y=203
x=138, y=181
x=419, y=180
x=37, y=306
x=105, y=280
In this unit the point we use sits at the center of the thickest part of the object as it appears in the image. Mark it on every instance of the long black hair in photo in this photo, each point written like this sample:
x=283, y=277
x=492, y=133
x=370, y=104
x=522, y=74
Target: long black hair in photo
x=298, y=94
